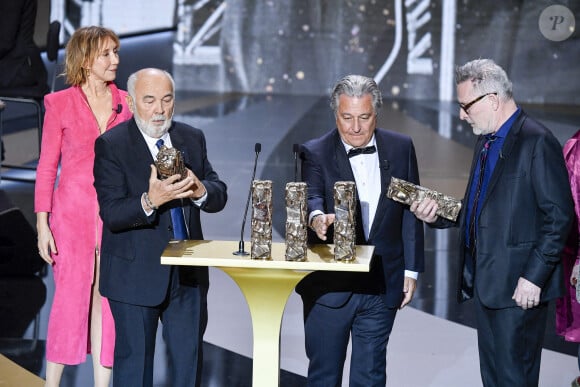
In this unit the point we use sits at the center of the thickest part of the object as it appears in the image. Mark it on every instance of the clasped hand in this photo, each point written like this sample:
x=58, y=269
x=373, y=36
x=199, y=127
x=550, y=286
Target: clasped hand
x=320, y=224
x=163, y=191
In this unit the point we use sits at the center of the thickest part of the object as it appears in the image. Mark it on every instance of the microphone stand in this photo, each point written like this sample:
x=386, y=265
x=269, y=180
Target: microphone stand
x=241, y=251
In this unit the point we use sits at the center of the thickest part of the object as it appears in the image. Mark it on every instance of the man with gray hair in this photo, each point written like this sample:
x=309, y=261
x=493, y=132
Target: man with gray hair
x=141, y=213
x=361, y=306
x=514, y=222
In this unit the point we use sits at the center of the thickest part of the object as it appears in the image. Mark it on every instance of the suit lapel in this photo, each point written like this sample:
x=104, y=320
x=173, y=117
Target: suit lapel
x=178, y=143
x=341, y=159
x=345, y=171
x=505, y=152
x=385, y=170
x=476, y=152
x=141, y=153
x=345, y=174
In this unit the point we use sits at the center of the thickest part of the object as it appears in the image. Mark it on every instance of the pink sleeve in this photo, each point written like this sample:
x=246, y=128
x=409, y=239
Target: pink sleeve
x=573, y=165
x=47, y=169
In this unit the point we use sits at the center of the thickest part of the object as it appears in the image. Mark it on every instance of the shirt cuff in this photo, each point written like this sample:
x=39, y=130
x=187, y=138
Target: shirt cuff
x=313, y=214
x=147, y=212
x=411, y=274
x=199, y=202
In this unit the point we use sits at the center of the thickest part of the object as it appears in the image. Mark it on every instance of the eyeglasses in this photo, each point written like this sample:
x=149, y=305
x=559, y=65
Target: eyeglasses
x=466, y=106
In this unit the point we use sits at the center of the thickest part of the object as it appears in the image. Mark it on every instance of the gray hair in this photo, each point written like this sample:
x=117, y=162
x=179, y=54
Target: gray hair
x=132, y=80
x=356, y=86
x=486, y=77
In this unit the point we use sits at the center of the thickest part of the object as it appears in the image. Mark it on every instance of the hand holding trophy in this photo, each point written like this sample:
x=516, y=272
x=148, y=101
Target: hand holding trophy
x=404, y=192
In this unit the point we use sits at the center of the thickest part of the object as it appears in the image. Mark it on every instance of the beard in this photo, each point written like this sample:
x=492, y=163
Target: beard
x=151, y=127
x=482, y=130
x=479, y=131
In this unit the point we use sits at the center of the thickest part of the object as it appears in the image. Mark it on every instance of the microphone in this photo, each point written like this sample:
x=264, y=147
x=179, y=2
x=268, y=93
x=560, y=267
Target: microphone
x=119, y=108
x=295, y=150
x=241, y=251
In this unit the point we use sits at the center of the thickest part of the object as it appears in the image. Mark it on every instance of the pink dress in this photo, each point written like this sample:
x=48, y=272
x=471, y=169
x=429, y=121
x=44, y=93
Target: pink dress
x=68, y=138
x=567, y=308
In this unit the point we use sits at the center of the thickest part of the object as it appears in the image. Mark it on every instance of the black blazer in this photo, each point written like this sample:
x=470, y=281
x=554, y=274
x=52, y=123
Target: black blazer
x=525, y=218
x=396, y=234
x=20, y=61
x=132, y=242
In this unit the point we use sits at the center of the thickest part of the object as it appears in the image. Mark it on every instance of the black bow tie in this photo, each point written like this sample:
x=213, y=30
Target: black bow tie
x=360, y=151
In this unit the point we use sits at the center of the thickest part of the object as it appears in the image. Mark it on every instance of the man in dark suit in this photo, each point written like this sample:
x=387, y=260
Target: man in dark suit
x=138, y=210
x=338, y=306
x=20, y=61
x=515, y=220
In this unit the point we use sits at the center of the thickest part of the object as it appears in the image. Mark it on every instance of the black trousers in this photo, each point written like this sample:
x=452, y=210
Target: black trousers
x=184, y=318
x=510, y=344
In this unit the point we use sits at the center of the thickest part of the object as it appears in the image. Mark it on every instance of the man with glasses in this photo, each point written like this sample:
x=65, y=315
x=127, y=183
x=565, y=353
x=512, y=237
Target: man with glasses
x=516, y=215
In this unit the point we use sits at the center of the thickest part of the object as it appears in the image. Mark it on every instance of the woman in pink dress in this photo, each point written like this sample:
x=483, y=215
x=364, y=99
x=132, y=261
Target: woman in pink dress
x=68, y=223
x=568, y=307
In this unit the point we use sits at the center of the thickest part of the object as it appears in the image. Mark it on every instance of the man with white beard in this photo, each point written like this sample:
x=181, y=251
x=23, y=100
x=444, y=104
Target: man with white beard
x=141, y=213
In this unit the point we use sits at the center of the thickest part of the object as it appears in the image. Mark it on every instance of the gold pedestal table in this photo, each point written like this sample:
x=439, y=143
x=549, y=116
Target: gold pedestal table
x=266, y=285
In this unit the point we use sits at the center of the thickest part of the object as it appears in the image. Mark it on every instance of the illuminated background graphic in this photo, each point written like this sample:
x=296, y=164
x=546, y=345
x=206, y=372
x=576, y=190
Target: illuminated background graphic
x=410, y=47
x=303, y=46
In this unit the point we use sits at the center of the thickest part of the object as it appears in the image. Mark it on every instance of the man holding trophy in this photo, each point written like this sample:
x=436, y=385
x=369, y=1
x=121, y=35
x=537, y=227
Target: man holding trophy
x=143, y=207
x=516, y=215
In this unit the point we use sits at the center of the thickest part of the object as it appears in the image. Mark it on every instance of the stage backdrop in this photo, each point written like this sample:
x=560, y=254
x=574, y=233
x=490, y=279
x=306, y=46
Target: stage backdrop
x=410, y=47
x=303, y=46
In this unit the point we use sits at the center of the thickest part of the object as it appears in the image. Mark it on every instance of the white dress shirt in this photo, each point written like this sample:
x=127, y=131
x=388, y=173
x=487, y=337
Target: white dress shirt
x=367, y=176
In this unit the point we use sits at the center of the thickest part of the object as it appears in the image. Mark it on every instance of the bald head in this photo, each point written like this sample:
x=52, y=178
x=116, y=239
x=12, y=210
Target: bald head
x=147, y=73
x=151, y=99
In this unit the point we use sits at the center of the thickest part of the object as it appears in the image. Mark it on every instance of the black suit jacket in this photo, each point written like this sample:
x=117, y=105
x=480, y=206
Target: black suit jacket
x=396, y=234
x=20, y=61
x=525, y=219
x=132, y=242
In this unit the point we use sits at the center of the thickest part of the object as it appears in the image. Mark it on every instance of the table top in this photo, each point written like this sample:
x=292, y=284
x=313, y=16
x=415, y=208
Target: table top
x=220, y=254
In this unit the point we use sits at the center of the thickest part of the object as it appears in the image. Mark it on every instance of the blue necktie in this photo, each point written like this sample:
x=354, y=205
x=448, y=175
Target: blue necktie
x=179, y=229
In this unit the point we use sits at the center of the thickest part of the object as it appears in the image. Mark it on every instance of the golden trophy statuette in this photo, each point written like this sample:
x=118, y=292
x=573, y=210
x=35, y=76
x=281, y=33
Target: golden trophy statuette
x=261, y=219
x=169, y=162
x=404, y=192
x=345, y=220
x=296, y=221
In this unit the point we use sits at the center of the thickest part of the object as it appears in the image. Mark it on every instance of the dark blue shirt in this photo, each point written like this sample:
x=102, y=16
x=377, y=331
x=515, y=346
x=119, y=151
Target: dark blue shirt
x=492, y=157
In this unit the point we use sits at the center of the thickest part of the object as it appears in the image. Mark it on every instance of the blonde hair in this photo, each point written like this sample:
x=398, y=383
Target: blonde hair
x=82, y=49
